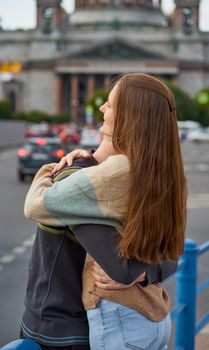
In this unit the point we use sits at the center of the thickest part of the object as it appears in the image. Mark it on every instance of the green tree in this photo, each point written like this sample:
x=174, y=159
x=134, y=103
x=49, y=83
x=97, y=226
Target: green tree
x=38, y=117
x=186, y=107
x=98, y=98
x=20, y=116
x=5, y=110
x=202, y=100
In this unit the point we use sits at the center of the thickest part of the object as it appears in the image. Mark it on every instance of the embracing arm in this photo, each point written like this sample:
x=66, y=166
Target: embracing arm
x=70, y=202
x=54, y=204
x=101, y=242
x=34, y=208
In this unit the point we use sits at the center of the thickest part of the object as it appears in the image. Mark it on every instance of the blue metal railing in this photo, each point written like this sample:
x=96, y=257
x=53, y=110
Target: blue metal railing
x=184, y=312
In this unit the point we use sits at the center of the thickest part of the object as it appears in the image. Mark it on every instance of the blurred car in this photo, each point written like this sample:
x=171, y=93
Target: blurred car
x=182, y=135
x=90, y=138
x=38, y=130
x=37, y=152
x=187, y=126
x=199, y=135
x=57, y=128
x=70, y=136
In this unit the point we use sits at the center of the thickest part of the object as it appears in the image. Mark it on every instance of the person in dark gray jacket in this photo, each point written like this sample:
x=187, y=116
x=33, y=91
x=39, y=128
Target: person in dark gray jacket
x=54, y=315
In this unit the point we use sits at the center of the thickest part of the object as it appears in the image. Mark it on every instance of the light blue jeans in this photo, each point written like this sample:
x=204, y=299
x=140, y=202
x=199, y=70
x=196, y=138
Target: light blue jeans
x=116, y=327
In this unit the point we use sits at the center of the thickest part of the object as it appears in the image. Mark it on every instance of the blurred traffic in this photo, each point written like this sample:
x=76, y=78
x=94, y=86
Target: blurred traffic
x=45, y=143
x=36, y=152
x=192, y=131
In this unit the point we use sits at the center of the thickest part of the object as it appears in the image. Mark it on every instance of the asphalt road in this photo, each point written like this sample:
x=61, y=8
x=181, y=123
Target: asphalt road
x=11, y=133
x=16, y=233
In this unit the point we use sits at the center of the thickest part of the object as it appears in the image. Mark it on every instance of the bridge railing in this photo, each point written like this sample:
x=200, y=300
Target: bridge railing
x=187, y=290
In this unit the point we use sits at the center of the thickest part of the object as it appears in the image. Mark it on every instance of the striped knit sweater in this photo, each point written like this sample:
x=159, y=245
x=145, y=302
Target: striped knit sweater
x=95, y=195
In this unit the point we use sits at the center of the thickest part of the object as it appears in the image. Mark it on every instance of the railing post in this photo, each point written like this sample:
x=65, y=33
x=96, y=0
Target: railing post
x=186, y=294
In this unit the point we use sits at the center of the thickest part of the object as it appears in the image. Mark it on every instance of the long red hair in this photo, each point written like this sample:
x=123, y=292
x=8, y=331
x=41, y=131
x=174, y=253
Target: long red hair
x=145, y=129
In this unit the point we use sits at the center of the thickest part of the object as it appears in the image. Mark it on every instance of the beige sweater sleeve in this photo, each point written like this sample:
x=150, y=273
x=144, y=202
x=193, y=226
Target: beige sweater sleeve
x=34, y=208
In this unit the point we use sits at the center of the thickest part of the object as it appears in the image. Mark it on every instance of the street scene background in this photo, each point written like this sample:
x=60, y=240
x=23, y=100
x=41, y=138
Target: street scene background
x=17, y=233
x=57, y=61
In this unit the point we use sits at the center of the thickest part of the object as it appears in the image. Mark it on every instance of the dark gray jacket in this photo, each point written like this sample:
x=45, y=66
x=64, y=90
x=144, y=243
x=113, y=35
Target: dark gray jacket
x=54, y=313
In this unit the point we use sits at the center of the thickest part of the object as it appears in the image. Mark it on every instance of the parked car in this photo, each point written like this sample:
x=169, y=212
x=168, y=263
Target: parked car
x=187, y=126
x=38, y=130
x=37, y=152
x=199, y=135
x=69, y=136
x=57, y=128
x=90, y=138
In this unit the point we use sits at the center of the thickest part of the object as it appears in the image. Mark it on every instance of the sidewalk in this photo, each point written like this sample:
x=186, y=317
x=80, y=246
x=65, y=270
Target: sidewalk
x=202, y=339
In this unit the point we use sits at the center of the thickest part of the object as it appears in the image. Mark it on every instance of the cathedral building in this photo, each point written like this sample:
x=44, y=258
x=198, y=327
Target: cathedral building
x=57, y=66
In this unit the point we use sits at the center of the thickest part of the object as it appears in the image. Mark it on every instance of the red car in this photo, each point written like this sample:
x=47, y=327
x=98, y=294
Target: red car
x=38, y=130
x=36, y=152
x=70, y=136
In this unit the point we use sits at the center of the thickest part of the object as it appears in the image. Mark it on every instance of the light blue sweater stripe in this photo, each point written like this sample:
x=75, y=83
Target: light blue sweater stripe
x=73, y=201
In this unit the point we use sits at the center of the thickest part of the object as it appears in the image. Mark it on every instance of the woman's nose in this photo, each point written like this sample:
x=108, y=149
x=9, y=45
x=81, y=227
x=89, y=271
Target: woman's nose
x=101, y=108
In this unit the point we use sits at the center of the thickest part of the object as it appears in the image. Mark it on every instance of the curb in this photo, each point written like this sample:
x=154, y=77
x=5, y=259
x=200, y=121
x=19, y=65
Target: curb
x=9, y=147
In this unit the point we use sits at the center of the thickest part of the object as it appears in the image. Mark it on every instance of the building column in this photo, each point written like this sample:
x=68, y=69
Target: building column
x=58, y=20
x=58, y=94
x=74, y=97
x=107, y=82
x=90, y=86
x=19, y=100
x=1, y=91
x=38, y=17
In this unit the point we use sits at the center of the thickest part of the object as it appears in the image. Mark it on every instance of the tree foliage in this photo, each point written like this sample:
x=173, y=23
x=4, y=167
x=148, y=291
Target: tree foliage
x=186, y=107
x=5, y=110
x=97, y=99
x=202, y=100
x=6, y=113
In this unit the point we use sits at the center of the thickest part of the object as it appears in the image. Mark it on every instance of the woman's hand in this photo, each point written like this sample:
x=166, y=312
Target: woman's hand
x=68, y=159
x=102, y=280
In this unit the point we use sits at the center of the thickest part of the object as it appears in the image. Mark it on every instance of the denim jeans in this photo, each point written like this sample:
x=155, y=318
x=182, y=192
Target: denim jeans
x=116, y=327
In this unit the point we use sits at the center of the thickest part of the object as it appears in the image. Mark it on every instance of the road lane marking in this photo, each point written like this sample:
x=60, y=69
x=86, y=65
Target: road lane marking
x=6, y=259
x=202, y=167
x=196, y=167
x=198, y=201
x=19, y=250
x=16, y=251
x=28, y=242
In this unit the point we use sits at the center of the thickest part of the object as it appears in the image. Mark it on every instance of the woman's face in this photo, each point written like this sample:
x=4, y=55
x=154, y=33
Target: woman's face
x=108, y=110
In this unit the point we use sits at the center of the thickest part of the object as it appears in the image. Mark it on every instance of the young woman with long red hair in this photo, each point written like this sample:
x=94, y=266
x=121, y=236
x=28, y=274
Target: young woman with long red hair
x=141, y=191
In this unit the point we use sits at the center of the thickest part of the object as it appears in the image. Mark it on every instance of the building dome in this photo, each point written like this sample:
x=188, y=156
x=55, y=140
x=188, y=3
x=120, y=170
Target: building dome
x=112, y=3
x=118, y=13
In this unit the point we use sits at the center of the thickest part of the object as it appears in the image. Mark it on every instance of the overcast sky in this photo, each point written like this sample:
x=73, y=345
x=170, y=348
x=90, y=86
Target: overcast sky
x=21, y=13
